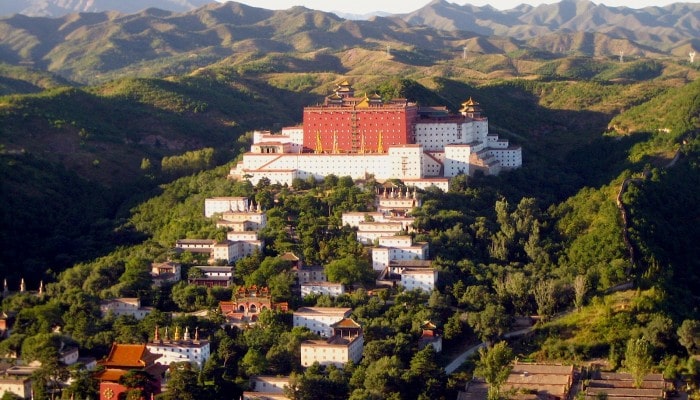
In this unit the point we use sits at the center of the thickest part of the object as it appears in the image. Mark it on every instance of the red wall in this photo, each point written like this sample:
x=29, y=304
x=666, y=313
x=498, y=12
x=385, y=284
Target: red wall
x=394, y=123
x=115, y=387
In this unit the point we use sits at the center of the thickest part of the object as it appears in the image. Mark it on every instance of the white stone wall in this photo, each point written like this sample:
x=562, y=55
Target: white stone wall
x=242, y=236
x=331, y=289
x=354, y=218
x=173, y=352
x=457, y=160
x=417, y=279
x=405, y=161
x=320, y=322
x=224, y=204
x=368, y=237
x=21, y=387
x=433, y=163
x=395, y=241
x=269, y=384
x=311, y=274
x=434, y=136
x=508, y=158
x=380, y=258
x=326, y=354
x=295, y=133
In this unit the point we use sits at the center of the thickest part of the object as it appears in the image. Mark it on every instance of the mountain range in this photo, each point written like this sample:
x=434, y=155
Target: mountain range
x=59, y=8
x=98, y=46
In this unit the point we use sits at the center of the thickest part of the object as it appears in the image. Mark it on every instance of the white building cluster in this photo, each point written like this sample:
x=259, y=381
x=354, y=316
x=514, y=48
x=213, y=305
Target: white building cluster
x=395, y=256
x=442, y=146
x=242, y=221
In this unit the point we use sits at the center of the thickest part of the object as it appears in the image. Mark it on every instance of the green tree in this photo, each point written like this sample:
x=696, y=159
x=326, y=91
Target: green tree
x=494, y=367
x=638, y=360
x=183, y=383
x=268, y=268
x=490, y=323
x=139, y=384
x=189, y=297
x=382, y=378
x=689, y=335
x=348, y=270
x=254, y=362
x=425, y=372
x=545, y=296
x=45, y=348
x=580, y=290
x=83, y=385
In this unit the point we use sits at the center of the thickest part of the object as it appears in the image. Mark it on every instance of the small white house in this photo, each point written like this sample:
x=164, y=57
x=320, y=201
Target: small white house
x=320, y=319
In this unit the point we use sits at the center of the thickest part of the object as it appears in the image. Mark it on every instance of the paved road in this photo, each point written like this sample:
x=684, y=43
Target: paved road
x=460, y=359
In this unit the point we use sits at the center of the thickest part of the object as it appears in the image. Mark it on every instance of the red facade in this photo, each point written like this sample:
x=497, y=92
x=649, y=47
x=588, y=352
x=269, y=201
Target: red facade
x=349, y=124
x=349, y=127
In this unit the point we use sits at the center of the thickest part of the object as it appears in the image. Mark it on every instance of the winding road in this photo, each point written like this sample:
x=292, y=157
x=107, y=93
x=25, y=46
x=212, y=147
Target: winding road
x=460, y=359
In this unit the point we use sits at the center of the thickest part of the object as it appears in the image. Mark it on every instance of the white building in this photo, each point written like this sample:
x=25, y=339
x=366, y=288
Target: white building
x=421, y=279
x=368, y=232
x=247, y=242
x=308, y=274
x=220, y=205
x=442, y=146
x=18, y=385
x=346, y=344
x=213, y=276
x=245, y=220
x=330, y=288
x=397, y=201
x=194, y=351
x=166, y=272
x=125, y=306
x=267, y=388
x=319, y=320
x=201, y=246
x=397, y=248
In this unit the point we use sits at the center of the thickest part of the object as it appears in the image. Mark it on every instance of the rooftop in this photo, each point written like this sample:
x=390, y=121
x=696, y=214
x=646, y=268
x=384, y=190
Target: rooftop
x=322, y=310
x=129, y=356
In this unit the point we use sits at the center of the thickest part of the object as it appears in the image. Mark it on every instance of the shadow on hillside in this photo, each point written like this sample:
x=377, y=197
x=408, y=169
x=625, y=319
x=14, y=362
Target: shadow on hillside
x=423, y=58
x=563, y=150
x=82, y=203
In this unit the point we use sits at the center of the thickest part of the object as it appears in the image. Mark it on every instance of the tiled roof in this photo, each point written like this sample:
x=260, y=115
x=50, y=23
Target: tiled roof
x=129, y=356
x=346, y=323
x=111, y=375
x=289, y=256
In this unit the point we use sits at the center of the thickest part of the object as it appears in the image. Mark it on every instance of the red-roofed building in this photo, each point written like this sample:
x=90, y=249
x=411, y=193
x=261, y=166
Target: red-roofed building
x=247, y=304
x=430, y=337
x=122, y=359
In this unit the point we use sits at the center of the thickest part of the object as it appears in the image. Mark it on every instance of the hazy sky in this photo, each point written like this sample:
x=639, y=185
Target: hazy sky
x=403, y=6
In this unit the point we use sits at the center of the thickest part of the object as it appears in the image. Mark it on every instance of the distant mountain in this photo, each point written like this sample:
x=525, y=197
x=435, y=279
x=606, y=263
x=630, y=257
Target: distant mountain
x=59, y=8
x=660, y=27
x=96, y=47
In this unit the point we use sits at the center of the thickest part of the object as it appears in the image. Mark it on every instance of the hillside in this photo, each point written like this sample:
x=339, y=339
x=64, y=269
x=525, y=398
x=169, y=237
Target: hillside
x=659, y=27
x=96, y=47
x=83, y=155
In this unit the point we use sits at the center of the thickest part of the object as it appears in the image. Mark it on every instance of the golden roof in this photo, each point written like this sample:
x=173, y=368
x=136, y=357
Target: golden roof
x=346, y=323
x=129, y=356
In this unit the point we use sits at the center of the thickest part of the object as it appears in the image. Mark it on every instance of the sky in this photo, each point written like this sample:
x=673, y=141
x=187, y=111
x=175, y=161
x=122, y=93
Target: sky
x=405, y=6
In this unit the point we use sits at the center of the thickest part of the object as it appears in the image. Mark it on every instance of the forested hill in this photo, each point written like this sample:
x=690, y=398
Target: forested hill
x=72, y=156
